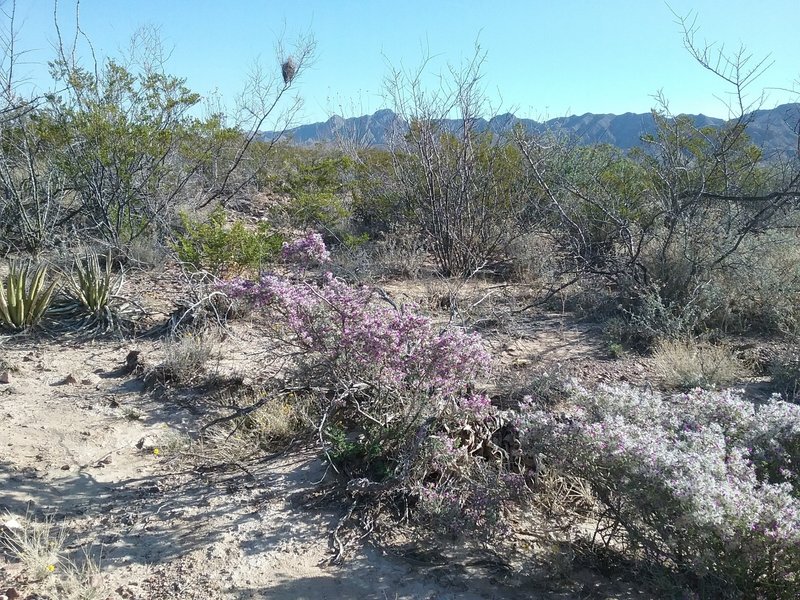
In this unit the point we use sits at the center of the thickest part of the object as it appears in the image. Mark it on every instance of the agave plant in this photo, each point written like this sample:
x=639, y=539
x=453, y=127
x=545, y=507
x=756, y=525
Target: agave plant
x=91, y=300
x=93, y=286
x=24, y=298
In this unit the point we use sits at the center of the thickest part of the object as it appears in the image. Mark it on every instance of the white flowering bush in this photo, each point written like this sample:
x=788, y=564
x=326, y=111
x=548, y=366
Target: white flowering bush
x=706, y=483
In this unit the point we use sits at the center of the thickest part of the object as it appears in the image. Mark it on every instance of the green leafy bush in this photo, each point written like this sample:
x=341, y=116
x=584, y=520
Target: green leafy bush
x=218, y=247
x=320, y=208
x=24, y=298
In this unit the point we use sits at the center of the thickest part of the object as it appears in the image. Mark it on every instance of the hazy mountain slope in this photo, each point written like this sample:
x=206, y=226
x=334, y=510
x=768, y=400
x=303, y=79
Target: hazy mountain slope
x=775, y=129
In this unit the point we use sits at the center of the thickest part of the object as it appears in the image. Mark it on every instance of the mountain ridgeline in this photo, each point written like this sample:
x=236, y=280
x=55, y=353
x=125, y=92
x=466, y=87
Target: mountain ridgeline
x=774, y=130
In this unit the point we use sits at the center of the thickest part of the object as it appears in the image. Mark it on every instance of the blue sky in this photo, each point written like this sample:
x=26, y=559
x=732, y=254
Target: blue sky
x=544, y=58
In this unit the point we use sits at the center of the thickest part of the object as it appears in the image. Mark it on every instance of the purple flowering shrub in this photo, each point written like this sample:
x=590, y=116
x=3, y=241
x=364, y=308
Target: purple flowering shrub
x=704, y=482
x=397, y=403
x=347, y=338
x=309, y=249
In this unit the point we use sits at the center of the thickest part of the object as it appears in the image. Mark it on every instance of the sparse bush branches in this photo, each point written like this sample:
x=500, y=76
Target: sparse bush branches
x=688, y=221
x=462, y=185
x=118, y=135
x=117, y=148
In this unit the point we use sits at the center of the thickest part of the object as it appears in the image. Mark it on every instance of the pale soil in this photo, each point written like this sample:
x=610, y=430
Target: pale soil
x=168, y=528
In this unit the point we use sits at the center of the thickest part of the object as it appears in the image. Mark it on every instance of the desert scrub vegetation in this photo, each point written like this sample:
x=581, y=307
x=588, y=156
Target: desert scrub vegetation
x=392, y=393
x=221, y=248
x=91, y=302
x=186, y=355
x=785, y=372
x=40, y=545
x=703, y=483
x=691, y=237
x=687, y=364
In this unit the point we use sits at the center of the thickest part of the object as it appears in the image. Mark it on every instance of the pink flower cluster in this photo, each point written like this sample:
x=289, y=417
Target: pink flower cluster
x=344, y=331
x=309, y=249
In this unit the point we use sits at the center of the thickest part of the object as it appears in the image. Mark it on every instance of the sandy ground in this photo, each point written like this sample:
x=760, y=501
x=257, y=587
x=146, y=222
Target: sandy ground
x=77, y=441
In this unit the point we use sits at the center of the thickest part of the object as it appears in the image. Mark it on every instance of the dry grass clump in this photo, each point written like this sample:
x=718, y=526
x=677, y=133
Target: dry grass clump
x=688, y=364
x=279, y=418
x=186, y=356
x=39, y=546
x=785, y=372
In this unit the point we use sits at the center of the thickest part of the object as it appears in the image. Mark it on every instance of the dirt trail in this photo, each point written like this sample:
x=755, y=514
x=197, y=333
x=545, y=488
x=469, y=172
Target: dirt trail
x=70, y=424
x=82, y=441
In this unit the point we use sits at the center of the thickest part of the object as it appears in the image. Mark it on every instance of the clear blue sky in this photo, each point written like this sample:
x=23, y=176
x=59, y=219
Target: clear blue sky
x=546, y=58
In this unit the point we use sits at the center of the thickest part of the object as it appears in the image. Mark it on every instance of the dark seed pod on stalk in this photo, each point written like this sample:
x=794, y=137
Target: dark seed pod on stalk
x=288, y=69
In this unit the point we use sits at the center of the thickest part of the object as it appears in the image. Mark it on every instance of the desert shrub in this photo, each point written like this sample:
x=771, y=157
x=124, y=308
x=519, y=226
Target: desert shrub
x=754, y=288
x=321, y=209
x=185, y=358
x=145, y=252
x=785, y=372
x=704, y=483
x=307, y=250
x=532, y=259
x=317, y=183
x=24, y=297
x=393, y=387
x=218, y=247
x=759, y=288
x=461, y=184
x=686, y=364
x=400, y=253
x=377, y=206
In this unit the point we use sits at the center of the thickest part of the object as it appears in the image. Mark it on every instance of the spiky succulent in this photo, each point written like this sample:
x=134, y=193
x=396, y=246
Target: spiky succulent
x=91, y=301
x=24, y=298
x=92, y=285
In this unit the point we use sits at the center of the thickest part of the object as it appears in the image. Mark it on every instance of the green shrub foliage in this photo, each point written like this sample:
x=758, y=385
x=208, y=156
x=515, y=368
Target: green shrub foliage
x=221, y=247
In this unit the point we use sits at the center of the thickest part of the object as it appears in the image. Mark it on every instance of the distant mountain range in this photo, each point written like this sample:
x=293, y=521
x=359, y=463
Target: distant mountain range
x=775, y=130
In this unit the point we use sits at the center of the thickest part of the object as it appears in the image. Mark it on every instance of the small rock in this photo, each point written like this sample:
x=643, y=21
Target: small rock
x=146, y=443
x=69, y=380
x=12, y=525
x=131, y=362
x=5, y=377
x=65, y=467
